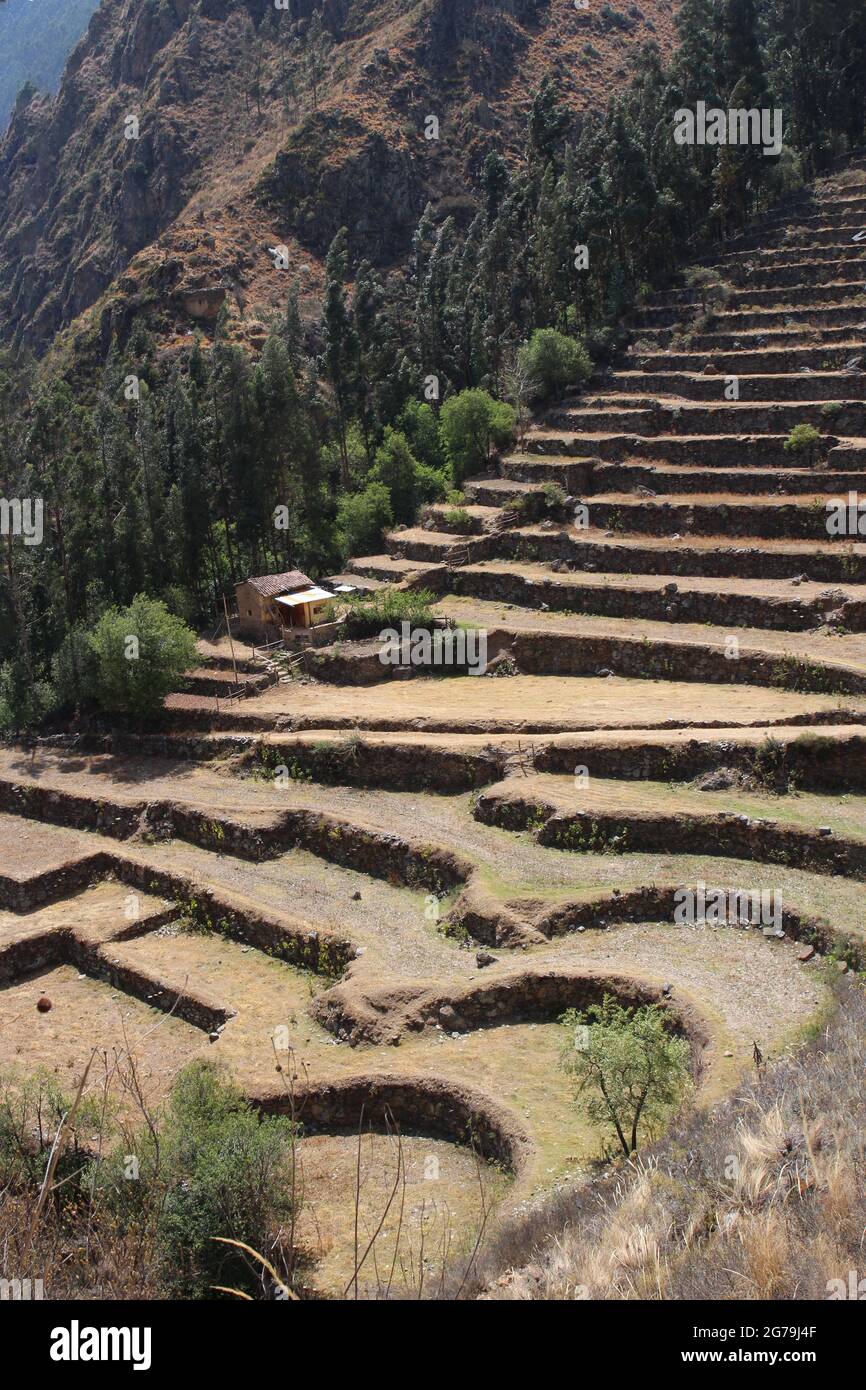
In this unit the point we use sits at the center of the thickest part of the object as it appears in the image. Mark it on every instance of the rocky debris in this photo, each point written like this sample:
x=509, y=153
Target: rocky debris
x=484, y=958
x=720, y=779
x=450, y=1019
x=43, y=1004
x=807, y=953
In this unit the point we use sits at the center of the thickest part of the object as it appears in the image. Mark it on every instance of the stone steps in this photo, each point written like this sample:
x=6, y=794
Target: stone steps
x=807, y=385
x=800, y=518
x=502, y=492
x=714, y=451
x=598, y=475
x=758, y=482
x=390, y=569
x=748, y=275
x=482, y=518
x=831, y=760
x=792, y=327
x=769, y=257
x=771, y=604
x=745, y=360
x=673, y=416
x=680, y=304
x=801, y=235
x=585, y=820
x=414, y=543
x=749, y=557
x=571, y=474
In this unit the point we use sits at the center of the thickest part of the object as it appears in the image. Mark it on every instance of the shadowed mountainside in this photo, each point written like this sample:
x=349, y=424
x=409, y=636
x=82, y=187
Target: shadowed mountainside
x=258, y=126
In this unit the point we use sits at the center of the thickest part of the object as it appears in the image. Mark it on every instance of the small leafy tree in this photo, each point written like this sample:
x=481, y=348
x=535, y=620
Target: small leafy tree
x=553, y=361
x=420, y=426
x=803, y=439
x=362, y=517
x=628, y=1069
x=711, y=291
x=141, y=654
x=474, y=426
x=230, y=1174
x=23, y=702
x=409, y=482
x=213, y=1168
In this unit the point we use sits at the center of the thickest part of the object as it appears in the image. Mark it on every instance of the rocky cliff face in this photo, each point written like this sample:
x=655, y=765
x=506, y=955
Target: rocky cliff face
x=189, y=136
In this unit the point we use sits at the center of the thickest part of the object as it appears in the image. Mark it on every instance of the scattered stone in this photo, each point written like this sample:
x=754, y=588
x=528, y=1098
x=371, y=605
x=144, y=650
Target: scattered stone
x=450, y=1019
x=213, y=1037
x=842, y=967
x=484, y=958
x=356, y=897
x=806, y=954
x=721, y=779
x=825, y=830
x=43, y=1004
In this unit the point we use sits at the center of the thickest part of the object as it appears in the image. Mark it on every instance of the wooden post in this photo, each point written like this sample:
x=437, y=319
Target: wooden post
x=231, y=643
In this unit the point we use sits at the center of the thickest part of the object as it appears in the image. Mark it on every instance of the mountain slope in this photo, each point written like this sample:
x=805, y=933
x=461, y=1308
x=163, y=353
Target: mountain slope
x=259, y=127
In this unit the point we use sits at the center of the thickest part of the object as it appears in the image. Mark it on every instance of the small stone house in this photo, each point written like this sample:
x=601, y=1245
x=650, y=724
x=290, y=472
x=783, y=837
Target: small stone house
x=273, y=607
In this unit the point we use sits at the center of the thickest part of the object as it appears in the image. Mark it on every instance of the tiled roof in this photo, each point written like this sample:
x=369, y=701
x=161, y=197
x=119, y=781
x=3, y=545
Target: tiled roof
x=269, y=585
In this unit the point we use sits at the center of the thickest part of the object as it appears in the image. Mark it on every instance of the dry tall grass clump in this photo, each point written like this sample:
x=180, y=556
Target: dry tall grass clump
x=761, y=1197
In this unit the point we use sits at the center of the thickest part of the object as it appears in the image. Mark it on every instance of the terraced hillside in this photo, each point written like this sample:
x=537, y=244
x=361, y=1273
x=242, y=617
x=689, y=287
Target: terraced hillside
x=374, y=897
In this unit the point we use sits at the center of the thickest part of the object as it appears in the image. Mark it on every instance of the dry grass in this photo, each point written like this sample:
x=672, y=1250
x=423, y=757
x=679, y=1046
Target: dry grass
x=763, y=1197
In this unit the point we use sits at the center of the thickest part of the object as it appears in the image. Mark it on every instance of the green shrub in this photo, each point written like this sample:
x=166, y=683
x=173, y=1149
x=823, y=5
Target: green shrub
x=73, y=669
x=141, y=654
x=214, y=1168
x=369, y=613
x=409, y=483
x=554, y=498
x=362, y=517
x=803, y=439
x=474, y=426
x=24, y=703
x=552, y=361
x=420, y=426
x=458, y=519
